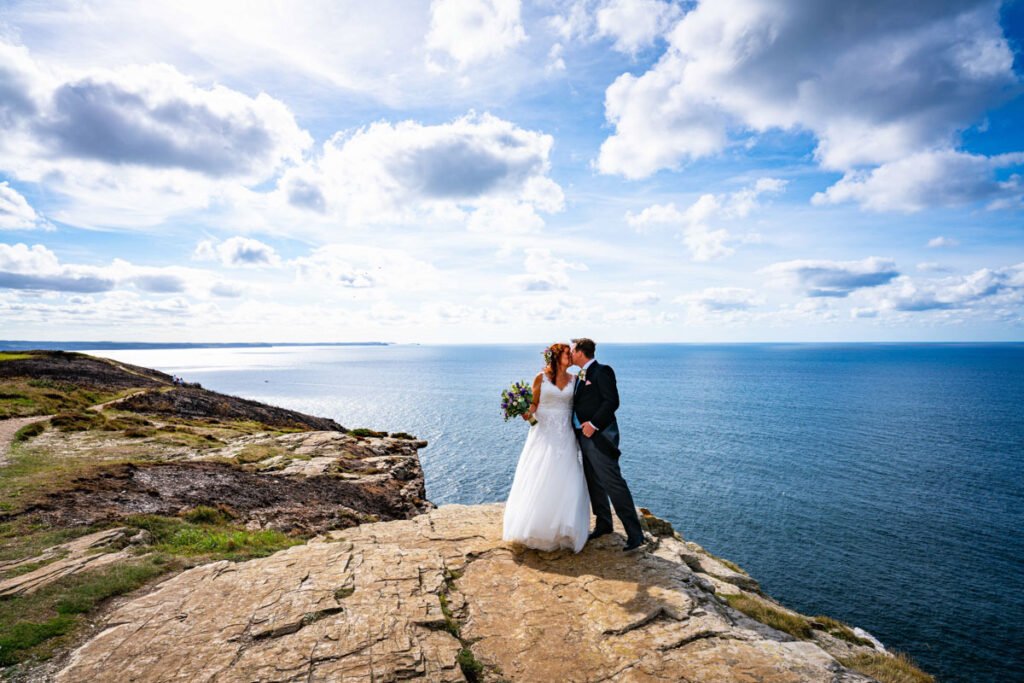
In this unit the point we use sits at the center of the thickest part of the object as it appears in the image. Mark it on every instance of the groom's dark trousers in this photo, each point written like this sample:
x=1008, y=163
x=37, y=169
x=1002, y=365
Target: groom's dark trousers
x=595, y=402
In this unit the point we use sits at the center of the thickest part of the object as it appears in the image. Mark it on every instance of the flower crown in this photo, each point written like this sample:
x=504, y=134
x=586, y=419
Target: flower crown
x=549, y=356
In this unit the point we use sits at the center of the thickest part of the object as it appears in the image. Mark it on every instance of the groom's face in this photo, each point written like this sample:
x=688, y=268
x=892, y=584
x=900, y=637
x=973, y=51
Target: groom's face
x=578, y=359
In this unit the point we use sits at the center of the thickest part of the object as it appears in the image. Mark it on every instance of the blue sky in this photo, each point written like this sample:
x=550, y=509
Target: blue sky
x=490, y=170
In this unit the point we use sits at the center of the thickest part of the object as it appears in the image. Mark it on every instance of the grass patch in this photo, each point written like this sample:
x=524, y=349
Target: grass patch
x=762, y=611
x=204, y=514
x=29, y=431
x=840, y=630
x=77, y=421
x=471, y=667
x=32, y=625
x=887, y=668
x=257, y=452
x=7, y=355
x=213, y=541
x=363, y=431
x=22, y=397
x=404, y=436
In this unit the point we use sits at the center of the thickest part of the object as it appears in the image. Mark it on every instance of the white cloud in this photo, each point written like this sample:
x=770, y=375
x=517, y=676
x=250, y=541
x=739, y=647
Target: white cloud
x=16, y=213
x=238, y=252
x=470, y=31
x=634, y=24
x=872, y=86
x=408, y=172
x=941, y=241
x=705, y=242
x=930, y=179
x=135, y=144
x=833, y=278
x=544, y=271
x=985, y=286
x=38, y=269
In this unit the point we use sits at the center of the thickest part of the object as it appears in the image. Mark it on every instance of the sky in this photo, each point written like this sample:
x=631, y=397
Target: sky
x=497, y=171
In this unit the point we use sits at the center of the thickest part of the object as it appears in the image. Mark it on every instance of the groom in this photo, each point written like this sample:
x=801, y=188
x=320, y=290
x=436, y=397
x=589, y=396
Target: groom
x=595, y=400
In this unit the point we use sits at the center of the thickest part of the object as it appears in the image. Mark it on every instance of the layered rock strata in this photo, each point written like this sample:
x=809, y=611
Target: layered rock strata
x=441, y=597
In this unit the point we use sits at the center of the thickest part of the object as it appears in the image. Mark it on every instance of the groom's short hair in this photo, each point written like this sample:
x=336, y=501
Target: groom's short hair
x=585, y=346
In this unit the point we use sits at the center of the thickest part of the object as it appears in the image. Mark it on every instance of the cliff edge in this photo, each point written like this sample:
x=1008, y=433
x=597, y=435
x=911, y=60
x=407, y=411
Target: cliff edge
x=440, y=597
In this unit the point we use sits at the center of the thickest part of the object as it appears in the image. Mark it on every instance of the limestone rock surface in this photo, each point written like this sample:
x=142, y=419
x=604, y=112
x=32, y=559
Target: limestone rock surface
x=400, y=600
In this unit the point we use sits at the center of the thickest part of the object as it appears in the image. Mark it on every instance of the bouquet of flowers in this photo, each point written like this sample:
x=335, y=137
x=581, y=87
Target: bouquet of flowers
x=516, y=401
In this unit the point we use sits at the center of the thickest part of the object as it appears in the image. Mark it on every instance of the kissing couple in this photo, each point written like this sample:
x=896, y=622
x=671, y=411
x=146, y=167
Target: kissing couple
x=571, y=457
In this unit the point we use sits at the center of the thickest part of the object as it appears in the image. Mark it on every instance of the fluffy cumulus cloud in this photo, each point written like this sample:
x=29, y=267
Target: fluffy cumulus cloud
x=38, y=269
x=469, y=31
x=833, y=278
x=634, y=24
x=15, y=211
x=875, y=84
x=631, y=25
x=927, y=179
x=138, y=135
x=238, y=252
x=988, y=287
x=402, y=172
x=704, y=241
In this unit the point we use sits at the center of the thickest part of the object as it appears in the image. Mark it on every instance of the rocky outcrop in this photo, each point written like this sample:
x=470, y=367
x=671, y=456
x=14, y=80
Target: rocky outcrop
x=352, y=481
x=441, y=597
x=56, y=562
x=193, y=402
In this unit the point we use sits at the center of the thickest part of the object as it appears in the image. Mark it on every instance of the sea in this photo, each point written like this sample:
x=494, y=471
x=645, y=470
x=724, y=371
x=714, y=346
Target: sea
x=880, y=484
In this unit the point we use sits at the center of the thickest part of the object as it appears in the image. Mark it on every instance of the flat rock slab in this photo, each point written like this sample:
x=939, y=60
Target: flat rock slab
x=385, y=601
x=63, y=560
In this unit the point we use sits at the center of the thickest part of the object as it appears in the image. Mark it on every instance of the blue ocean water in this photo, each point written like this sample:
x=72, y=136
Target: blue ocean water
x=879, y=484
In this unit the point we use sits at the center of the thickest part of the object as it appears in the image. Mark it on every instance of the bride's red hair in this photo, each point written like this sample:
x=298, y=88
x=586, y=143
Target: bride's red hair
x=553, y=369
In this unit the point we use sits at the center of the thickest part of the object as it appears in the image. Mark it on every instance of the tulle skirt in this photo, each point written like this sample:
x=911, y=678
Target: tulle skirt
x=548, y=506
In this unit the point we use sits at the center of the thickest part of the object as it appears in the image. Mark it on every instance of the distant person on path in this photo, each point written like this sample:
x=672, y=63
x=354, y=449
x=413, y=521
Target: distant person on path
x=595, y=400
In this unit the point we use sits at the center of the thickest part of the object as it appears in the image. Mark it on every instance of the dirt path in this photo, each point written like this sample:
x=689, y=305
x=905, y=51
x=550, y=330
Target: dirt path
x=9, y=427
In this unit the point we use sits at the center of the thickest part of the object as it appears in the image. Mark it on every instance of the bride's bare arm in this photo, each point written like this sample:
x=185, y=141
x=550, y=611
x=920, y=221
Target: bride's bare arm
x=536, y=398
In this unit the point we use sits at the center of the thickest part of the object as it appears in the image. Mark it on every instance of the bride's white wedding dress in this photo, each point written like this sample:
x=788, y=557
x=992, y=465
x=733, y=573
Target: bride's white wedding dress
x=548, y=507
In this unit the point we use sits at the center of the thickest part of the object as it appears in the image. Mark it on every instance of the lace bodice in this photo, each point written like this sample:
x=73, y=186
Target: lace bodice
x=554, y=399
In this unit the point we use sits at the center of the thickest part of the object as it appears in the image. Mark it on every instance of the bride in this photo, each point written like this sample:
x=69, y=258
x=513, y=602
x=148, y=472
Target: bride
x=548, y=507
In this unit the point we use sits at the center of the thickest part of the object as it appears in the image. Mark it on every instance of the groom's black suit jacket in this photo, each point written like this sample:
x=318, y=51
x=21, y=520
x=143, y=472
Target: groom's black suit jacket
x=595, y=400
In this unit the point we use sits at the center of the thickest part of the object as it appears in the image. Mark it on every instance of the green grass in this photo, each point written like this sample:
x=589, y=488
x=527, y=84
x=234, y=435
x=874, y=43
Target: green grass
x=363, y=431
x=29, y=431
x=6, y=355
x=213, y=541
x=32, y=625
x=895, y=667
x=77, y=421
x=24, y=397
x=795, y=625
x=257, y=452
x=471, y=667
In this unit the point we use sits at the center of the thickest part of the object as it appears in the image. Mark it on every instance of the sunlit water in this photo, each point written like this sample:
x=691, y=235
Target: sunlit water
x=879, y=484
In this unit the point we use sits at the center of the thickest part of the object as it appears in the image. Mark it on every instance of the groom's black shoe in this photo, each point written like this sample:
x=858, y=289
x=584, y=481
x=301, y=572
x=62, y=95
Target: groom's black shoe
x=596, y=533
x=633, y=545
